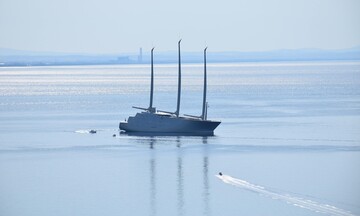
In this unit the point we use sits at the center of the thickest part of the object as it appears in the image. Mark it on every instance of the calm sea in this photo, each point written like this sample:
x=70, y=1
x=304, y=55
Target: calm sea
x=288, y=144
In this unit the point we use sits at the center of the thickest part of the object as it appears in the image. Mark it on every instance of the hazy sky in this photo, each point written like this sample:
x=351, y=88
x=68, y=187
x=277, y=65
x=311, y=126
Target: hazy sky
x=110, y=26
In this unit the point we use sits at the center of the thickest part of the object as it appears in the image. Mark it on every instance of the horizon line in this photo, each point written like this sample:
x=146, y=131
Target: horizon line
x=32, y=52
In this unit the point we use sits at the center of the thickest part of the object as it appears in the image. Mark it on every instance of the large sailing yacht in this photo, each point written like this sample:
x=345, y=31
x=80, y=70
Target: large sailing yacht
x=152, y=122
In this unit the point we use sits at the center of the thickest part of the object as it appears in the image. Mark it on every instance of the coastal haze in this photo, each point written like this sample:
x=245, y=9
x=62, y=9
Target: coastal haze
x=10, y=57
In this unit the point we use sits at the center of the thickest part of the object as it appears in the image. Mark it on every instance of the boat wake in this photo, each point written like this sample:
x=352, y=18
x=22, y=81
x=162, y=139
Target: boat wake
x=296, y=201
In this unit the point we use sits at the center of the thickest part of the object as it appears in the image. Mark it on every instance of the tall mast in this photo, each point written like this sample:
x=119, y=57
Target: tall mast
x=179, y=83
x=152, y=80
x=203, y=115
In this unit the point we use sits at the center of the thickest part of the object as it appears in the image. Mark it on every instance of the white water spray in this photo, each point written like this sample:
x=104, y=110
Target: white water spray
x=296, y=201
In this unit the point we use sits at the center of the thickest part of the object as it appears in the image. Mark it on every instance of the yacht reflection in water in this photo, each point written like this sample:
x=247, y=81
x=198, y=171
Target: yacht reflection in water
x=206, y=186
x=180, y=178
x=152, y=180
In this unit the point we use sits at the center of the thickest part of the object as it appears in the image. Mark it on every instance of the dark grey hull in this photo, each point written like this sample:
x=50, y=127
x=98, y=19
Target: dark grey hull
x=146, y=123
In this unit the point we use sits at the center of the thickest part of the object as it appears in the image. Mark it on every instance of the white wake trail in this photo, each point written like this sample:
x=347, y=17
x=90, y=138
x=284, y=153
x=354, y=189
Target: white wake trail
x=296, y=201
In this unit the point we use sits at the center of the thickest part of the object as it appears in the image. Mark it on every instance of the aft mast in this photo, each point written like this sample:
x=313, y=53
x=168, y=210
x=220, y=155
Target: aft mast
x=151, y=109
x=179, y=82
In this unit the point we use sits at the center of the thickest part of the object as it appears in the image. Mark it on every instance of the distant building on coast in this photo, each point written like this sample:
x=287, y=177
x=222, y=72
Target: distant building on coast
x=140, y=56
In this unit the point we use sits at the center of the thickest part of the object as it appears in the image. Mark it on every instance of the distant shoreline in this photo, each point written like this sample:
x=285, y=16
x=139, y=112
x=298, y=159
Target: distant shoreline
x=164, y=63
x=10, y=58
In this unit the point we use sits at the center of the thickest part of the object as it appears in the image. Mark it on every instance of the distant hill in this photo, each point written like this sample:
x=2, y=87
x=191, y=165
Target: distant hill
x=15, y=52
x=289, y=55
x=11, y=57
